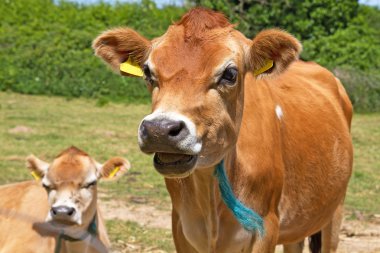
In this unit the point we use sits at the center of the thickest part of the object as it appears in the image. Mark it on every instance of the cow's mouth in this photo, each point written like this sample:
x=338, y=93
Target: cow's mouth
x=174, y=165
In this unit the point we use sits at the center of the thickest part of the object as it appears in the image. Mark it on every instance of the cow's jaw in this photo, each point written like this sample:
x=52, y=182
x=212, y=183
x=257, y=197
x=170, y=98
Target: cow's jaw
x=174, y=165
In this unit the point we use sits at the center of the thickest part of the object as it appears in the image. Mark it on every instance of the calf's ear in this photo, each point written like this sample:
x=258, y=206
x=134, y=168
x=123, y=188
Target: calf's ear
x=272, y=51
x=113, y=168
x=37, y=167
x=123, y=49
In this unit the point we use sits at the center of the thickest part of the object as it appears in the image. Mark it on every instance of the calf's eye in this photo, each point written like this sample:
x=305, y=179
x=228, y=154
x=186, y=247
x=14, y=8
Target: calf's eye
x=47, y=187
x=90, y=184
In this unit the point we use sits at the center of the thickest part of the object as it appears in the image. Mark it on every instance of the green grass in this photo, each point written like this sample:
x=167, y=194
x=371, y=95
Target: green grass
x=130, y=235
x=364, y=189
x=107, y=131
x=57, y=123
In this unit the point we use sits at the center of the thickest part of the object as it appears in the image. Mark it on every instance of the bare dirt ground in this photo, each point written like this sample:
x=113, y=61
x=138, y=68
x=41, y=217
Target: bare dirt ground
x=355, y=236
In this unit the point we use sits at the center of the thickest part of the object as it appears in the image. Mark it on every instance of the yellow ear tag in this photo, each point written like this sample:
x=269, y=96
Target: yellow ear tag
x=131, y=67
x=35, y=175
x=113, y=172
x=268, y=65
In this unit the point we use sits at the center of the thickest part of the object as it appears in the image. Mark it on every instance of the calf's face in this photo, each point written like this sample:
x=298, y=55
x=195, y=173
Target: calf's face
x=71, y=183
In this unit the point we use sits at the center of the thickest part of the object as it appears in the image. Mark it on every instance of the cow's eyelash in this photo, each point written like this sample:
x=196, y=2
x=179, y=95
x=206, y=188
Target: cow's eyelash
x=90, y=184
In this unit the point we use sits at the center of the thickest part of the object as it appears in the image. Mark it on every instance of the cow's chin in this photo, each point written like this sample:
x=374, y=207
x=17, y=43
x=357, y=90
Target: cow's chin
x=64, y=223
x=174, y=165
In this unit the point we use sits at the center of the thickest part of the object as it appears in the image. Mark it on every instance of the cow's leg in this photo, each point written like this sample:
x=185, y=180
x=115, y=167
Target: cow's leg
x=294, y=247
x=330, y=233
x=267, y=243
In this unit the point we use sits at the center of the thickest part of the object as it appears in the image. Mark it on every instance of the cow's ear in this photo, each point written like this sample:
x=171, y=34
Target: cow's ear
x=37, y=167
x=272, y=51
x=113, y=168
x=123, y=49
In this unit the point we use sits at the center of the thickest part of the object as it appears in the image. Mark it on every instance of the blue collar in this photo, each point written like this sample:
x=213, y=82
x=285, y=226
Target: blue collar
x=248, y=218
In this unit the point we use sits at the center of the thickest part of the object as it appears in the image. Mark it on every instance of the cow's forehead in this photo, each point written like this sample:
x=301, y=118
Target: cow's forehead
x=69, y=168
x=175, y=53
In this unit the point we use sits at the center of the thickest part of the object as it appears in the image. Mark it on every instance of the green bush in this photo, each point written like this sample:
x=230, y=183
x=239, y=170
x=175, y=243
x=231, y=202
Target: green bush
x=357, y=46
x=305, y=19
x=45, y=48
x=362, y=87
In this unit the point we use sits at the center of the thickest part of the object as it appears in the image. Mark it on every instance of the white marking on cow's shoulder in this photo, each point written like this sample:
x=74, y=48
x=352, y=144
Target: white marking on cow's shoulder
x=279, y=112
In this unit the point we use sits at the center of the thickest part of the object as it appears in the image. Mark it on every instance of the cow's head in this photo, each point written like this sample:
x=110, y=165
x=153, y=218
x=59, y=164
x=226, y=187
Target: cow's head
x=71, y=183
x=195, y=73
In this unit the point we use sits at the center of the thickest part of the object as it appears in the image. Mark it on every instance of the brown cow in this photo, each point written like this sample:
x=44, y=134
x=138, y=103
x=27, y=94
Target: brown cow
x=29, y=217
x=283, y=134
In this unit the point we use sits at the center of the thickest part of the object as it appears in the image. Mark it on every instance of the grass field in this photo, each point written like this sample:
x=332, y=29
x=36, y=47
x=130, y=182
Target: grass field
x=44, y=126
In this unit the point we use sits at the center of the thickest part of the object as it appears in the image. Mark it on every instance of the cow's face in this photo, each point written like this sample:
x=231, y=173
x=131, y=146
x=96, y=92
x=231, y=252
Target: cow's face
x=71, y=184
x=195, y=73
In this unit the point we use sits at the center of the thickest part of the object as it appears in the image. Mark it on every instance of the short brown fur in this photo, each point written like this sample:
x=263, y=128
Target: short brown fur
x=284, y=136
x=199, y=21
x=25, y=205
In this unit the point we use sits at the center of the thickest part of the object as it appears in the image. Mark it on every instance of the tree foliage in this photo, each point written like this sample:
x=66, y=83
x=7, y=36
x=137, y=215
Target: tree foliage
x=356, y=46
x=45, y=45
x=45, y=48
x=305, y=19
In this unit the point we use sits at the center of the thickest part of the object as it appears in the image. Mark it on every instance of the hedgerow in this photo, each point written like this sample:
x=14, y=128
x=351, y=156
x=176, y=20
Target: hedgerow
x=45, y=45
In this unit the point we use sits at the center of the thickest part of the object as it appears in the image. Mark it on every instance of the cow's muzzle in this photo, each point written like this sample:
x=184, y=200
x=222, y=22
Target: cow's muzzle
x=174, y=142
x=64, y=214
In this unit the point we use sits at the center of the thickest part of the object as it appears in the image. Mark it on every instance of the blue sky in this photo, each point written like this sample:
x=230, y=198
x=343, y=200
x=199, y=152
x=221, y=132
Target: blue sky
x=179, y=2
x=159, y=2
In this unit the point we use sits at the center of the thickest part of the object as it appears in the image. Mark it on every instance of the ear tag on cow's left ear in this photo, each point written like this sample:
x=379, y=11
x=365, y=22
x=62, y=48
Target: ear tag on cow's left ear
x=131, y=67
x=35, y=175
x=113, y=172
x=268, y=65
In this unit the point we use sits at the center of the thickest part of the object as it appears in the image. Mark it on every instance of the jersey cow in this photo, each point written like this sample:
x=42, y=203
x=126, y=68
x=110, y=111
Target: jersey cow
x=281, y=126
x=30, y=216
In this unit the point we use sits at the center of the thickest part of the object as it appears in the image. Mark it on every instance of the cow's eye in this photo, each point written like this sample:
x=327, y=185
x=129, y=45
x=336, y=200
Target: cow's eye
x=147, y=74
x=47, y=187
x=229, y=76
x=89, y=184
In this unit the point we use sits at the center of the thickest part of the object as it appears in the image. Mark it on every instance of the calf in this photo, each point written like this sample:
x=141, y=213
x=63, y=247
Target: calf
x=63, y=204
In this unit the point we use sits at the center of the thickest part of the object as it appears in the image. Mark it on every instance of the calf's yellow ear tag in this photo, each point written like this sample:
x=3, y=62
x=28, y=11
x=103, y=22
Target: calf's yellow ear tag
x=113, y=172
x=268, y=65
x=132, y=68
x=35, y=176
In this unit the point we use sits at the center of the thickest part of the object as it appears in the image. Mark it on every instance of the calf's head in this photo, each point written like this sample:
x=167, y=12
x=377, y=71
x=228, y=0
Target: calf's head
x=71, y=183
x=195, y=73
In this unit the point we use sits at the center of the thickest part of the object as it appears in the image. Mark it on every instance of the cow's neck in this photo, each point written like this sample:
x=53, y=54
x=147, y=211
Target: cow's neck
x=197, y=202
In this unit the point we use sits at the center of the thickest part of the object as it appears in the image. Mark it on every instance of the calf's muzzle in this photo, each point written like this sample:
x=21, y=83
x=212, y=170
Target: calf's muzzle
x=62, y=212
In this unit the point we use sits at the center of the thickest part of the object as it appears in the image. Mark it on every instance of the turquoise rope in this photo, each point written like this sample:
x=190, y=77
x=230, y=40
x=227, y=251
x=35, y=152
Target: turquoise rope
x=249, y=219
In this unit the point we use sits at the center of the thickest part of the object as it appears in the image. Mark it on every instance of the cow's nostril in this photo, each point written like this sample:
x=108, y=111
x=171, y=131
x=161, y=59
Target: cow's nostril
x=143, y=130
x=176, y=129
x=62, y=211
x=71, y=211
